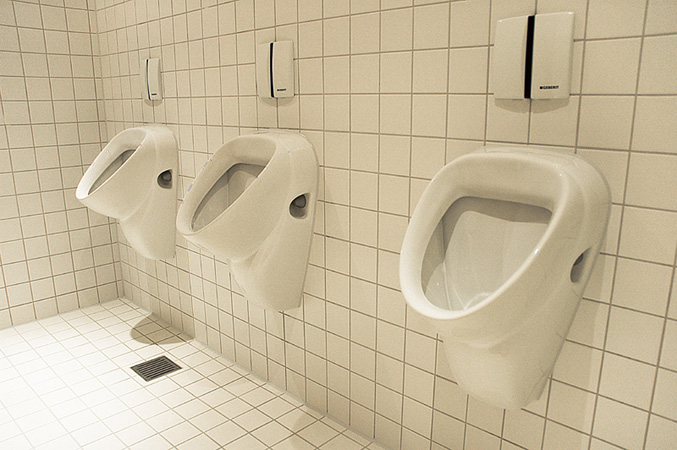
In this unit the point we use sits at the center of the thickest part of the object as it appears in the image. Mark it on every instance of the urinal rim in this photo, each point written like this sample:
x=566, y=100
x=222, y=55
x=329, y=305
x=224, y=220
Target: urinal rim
x=415, y=245
x=144, y=142
x=188, y=206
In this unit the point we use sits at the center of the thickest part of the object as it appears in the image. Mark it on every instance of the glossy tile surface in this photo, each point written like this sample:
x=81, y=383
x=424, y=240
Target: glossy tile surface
x=65, y=383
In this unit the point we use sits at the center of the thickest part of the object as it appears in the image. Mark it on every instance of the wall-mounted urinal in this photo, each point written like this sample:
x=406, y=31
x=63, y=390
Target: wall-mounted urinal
x=253, y=205
x=496, y=257
x=132, y=180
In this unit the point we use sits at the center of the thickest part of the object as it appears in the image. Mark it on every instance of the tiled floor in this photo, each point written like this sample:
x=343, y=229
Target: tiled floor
x=65, y=383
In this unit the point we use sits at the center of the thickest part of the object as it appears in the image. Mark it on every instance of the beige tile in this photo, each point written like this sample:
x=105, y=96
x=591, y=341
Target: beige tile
x=431, y=26
x=578, y=365
x=662, y=433
x=469, y=26
x=337, y=113
x=364, y=113
x=613, y=165
x=395, y=114
x=611, y=66
x=450, y=399
x=634, y=334
x=648, y=234
x=615, y=20
x=672, y=311
x=396, y=72
x=466, y=116
x=364, y=152
x=571, y=406
x=627, y=381
x=447, y=431
x=661, y=17
x=393, y=194
x=429, y=115
x=507, y=120
x=605, y=122
x=468, y=70
x=364, y=74
x=669, y=350
x=364, y=30
x=364, y=190
x=655, y=128
x=558, y=436
x=478, y=439
x=652, y=182
x=336, y=36
x=416, y=416
x=523, y=428
x=619, y=424
x=391, y=229
x=665, y=397
x=554, y=122
x=427, y=157
x=642, y=286
x=613, y=230
x=656, y=73
x=396, y=30
x=485, y=417
x=430, y=71
x=364, y=227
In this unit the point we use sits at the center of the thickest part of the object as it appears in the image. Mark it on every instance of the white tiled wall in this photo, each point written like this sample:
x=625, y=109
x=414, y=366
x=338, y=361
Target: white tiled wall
x=55, y=255
x=390, y=91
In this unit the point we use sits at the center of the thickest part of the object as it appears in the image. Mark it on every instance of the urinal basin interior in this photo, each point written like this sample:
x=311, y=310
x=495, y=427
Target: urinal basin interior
x=477, y=246
x=114, y=166
x=224, y=192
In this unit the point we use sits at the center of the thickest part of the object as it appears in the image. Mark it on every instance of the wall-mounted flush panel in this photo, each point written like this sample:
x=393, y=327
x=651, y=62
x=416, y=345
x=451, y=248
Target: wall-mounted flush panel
x=275, y=69
x=533, y=56
x=152, y=79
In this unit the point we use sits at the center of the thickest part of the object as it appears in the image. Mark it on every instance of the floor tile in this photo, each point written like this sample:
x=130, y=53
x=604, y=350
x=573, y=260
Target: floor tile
x=67, y=384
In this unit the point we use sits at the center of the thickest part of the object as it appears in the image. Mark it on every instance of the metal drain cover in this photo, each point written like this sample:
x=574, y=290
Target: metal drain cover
x=155, y=368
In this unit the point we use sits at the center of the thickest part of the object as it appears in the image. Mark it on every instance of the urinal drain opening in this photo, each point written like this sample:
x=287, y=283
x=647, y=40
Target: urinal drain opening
x=155, y=368
x=298, y=206
x=164, y=180
x=577, y=267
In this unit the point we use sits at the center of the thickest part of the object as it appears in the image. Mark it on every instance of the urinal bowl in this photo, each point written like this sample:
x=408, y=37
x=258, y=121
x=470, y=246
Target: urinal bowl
x=253, y=205
x=496, y=257
x=132, y=180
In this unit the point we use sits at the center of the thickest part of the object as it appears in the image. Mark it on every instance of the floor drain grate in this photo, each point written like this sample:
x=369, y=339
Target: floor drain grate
x=155, y=368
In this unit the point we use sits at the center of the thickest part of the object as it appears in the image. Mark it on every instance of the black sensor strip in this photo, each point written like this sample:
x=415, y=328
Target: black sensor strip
x=148, y=79
x=272, y=90
x=529, y=56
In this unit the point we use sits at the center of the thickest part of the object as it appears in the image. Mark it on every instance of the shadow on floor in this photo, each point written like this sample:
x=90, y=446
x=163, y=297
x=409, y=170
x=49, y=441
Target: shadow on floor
x=148, y=331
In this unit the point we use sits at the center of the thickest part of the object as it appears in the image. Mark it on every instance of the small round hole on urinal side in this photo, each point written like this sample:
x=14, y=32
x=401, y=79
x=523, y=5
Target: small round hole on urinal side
x=577, y=267
x=164, y=180
x=299, y=206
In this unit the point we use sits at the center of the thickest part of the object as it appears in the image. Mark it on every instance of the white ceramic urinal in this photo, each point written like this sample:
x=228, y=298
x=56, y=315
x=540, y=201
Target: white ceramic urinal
x=496, y=257
x=253, y=205
x=132, y=180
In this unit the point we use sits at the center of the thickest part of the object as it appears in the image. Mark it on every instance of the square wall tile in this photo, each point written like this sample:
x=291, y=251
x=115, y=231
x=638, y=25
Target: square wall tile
x=611, y=66
x=648, y=234
x=655, y=127
x=615, y=20
x=651, y=181
x=619, y=424
x=657, y=71
x=661, y=17
x=605, y=122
